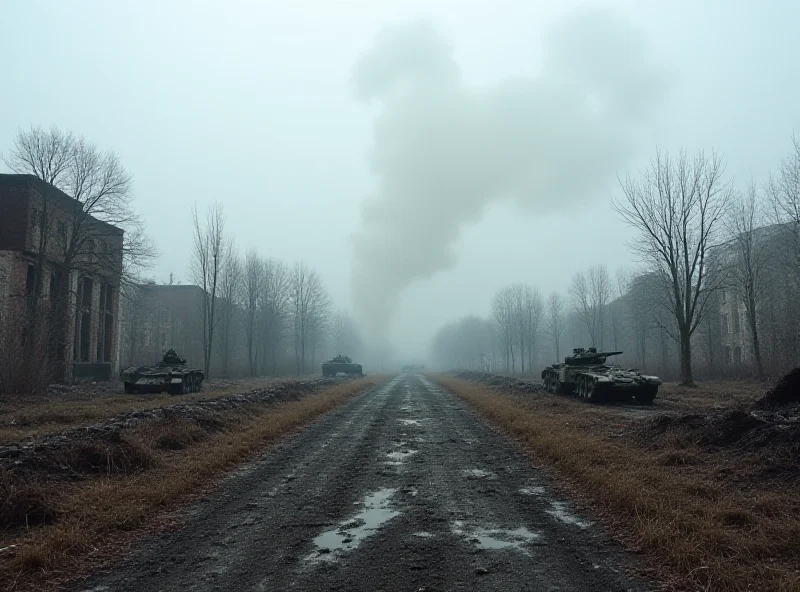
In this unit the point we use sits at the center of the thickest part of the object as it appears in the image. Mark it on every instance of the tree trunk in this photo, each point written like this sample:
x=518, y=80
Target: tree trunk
x=751, y=317
x=686, y=358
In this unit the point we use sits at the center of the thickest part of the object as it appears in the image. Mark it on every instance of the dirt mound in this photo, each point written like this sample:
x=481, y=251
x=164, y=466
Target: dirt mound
x=785, y=392
x=104, y=447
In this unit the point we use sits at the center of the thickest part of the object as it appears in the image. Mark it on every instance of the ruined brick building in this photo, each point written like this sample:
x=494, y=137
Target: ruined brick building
x=79, y=299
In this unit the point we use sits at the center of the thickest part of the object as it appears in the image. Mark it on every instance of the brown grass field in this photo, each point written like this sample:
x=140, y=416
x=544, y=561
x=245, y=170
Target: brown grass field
x=706, y=514
x=157, y=466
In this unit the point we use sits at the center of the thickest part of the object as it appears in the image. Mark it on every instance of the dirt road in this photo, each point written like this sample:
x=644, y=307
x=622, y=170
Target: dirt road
x=403, y=488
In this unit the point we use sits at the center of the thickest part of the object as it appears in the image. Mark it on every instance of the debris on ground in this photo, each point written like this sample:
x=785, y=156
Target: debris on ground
x=50, y=455
x=765, y=434
x=517, y=385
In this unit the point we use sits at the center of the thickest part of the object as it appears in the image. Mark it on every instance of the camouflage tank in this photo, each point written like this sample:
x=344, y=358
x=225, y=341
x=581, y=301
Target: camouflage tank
x=341, y=365
x=586, y=373
x=170, y=375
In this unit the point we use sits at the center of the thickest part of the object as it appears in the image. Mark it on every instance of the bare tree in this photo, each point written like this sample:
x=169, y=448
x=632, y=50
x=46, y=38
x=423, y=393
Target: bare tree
x=677, y=207
x=746, y=274
x=208, y=257
x=252, y=295
x=79, y=234
x=600, y=292
x=784, y=193
x=555, y=320
x=519, y=303
x=580, y=291
x=230, y=292
x=310, y=305
x=503, y=316
x=534, y=311
x=275, y=311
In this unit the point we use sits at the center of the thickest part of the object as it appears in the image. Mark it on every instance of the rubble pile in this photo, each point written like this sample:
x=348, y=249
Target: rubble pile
x=510, y=383
x=49, y=455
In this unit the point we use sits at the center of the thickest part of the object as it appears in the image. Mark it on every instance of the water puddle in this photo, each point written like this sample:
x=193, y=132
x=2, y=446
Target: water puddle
x=349, y=534
x=401, y=455
x=496, y=538
x=480, y=474
x=414, y=422
x=532, y=491
x=559, y=511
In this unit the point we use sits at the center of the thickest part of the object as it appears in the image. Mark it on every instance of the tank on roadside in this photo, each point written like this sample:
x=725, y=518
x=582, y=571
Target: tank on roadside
x=586, y=373
x=170, y=375
x=341, y=365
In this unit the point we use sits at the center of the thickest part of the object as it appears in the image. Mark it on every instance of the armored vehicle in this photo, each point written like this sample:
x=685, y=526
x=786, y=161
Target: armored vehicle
x=341, y=365
x=170, y=374
x=586, y=373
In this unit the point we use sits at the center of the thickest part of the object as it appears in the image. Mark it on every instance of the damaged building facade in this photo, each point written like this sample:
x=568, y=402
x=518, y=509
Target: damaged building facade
x=68, y=284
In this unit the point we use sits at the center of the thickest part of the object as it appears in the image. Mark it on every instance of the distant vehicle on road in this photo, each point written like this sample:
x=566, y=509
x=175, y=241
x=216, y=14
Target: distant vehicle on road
x=341, y=365
x=587, y=373
x=171, y=374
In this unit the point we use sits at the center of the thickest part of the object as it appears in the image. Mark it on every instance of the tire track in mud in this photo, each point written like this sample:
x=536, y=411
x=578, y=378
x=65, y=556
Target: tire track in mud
x=403, y=488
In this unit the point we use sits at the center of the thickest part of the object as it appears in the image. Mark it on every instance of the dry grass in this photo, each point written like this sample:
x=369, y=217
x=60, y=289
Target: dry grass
x=22, y=416
x=102, y=512
x=677, y=503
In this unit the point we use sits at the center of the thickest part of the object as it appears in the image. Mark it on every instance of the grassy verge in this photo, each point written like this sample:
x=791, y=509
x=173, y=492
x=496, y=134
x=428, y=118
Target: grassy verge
x=153, y=468
x=22, y=416
x=707, y=517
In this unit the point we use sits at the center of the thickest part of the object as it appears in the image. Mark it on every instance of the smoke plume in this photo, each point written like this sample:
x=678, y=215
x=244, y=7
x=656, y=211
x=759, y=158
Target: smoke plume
x=444, y=150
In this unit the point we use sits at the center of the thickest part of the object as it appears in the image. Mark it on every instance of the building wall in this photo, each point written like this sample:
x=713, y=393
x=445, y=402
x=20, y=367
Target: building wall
x=86, y=353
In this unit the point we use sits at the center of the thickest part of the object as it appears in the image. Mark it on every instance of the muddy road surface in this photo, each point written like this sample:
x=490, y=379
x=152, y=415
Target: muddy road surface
x=403, y=488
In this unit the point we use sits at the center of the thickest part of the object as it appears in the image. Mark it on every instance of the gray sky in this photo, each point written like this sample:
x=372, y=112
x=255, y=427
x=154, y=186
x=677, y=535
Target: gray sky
x=253, y=104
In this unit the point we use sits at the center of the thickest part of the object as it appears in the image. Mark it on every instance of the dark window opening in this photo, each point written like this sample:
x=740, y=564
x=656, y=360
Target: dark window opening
x=30, y=281
x=85, y=336
x=86, y=297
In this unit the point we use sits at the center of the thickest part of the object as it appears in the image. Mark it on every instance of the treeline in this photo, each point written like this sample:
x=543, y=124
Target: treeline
x=716, y=297
x=256, y=315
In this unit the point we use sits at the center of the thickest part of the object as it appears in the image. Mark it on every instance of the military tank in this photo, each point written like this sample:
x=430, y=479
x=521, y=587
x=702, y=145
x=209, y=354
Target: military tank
x=170, y=374
x=341, y=365
x=586, y=373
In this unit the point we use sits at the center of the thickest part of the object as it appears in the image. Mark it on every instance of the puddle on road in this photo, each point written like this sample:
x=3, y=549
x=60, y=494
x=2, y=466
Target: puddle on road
x=559, y=511
x=532, y=490
x=401, y=455
x=349, y=534
x=414, y=422
x=480, y=474
x=496, y=538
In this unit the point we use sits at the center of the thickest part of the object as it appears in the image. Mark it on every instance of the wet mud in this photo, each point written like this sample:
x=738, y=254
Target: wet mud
x=403, y=488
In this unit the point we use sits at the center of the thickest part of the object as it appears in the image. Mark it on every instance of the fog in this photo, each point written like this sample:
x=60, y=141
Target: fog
x=444, y=150
x=419, y=156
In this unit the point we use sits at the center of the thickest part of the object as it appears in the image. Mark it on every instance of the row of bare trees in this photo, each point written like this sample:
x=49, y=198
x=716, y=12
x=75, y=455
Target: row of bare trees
x=721, y=268
x=263, y=305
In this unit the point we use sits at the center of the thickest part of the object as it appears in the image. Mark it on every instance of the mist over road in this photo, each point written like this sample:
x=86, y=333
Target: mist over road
x=403, y=488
